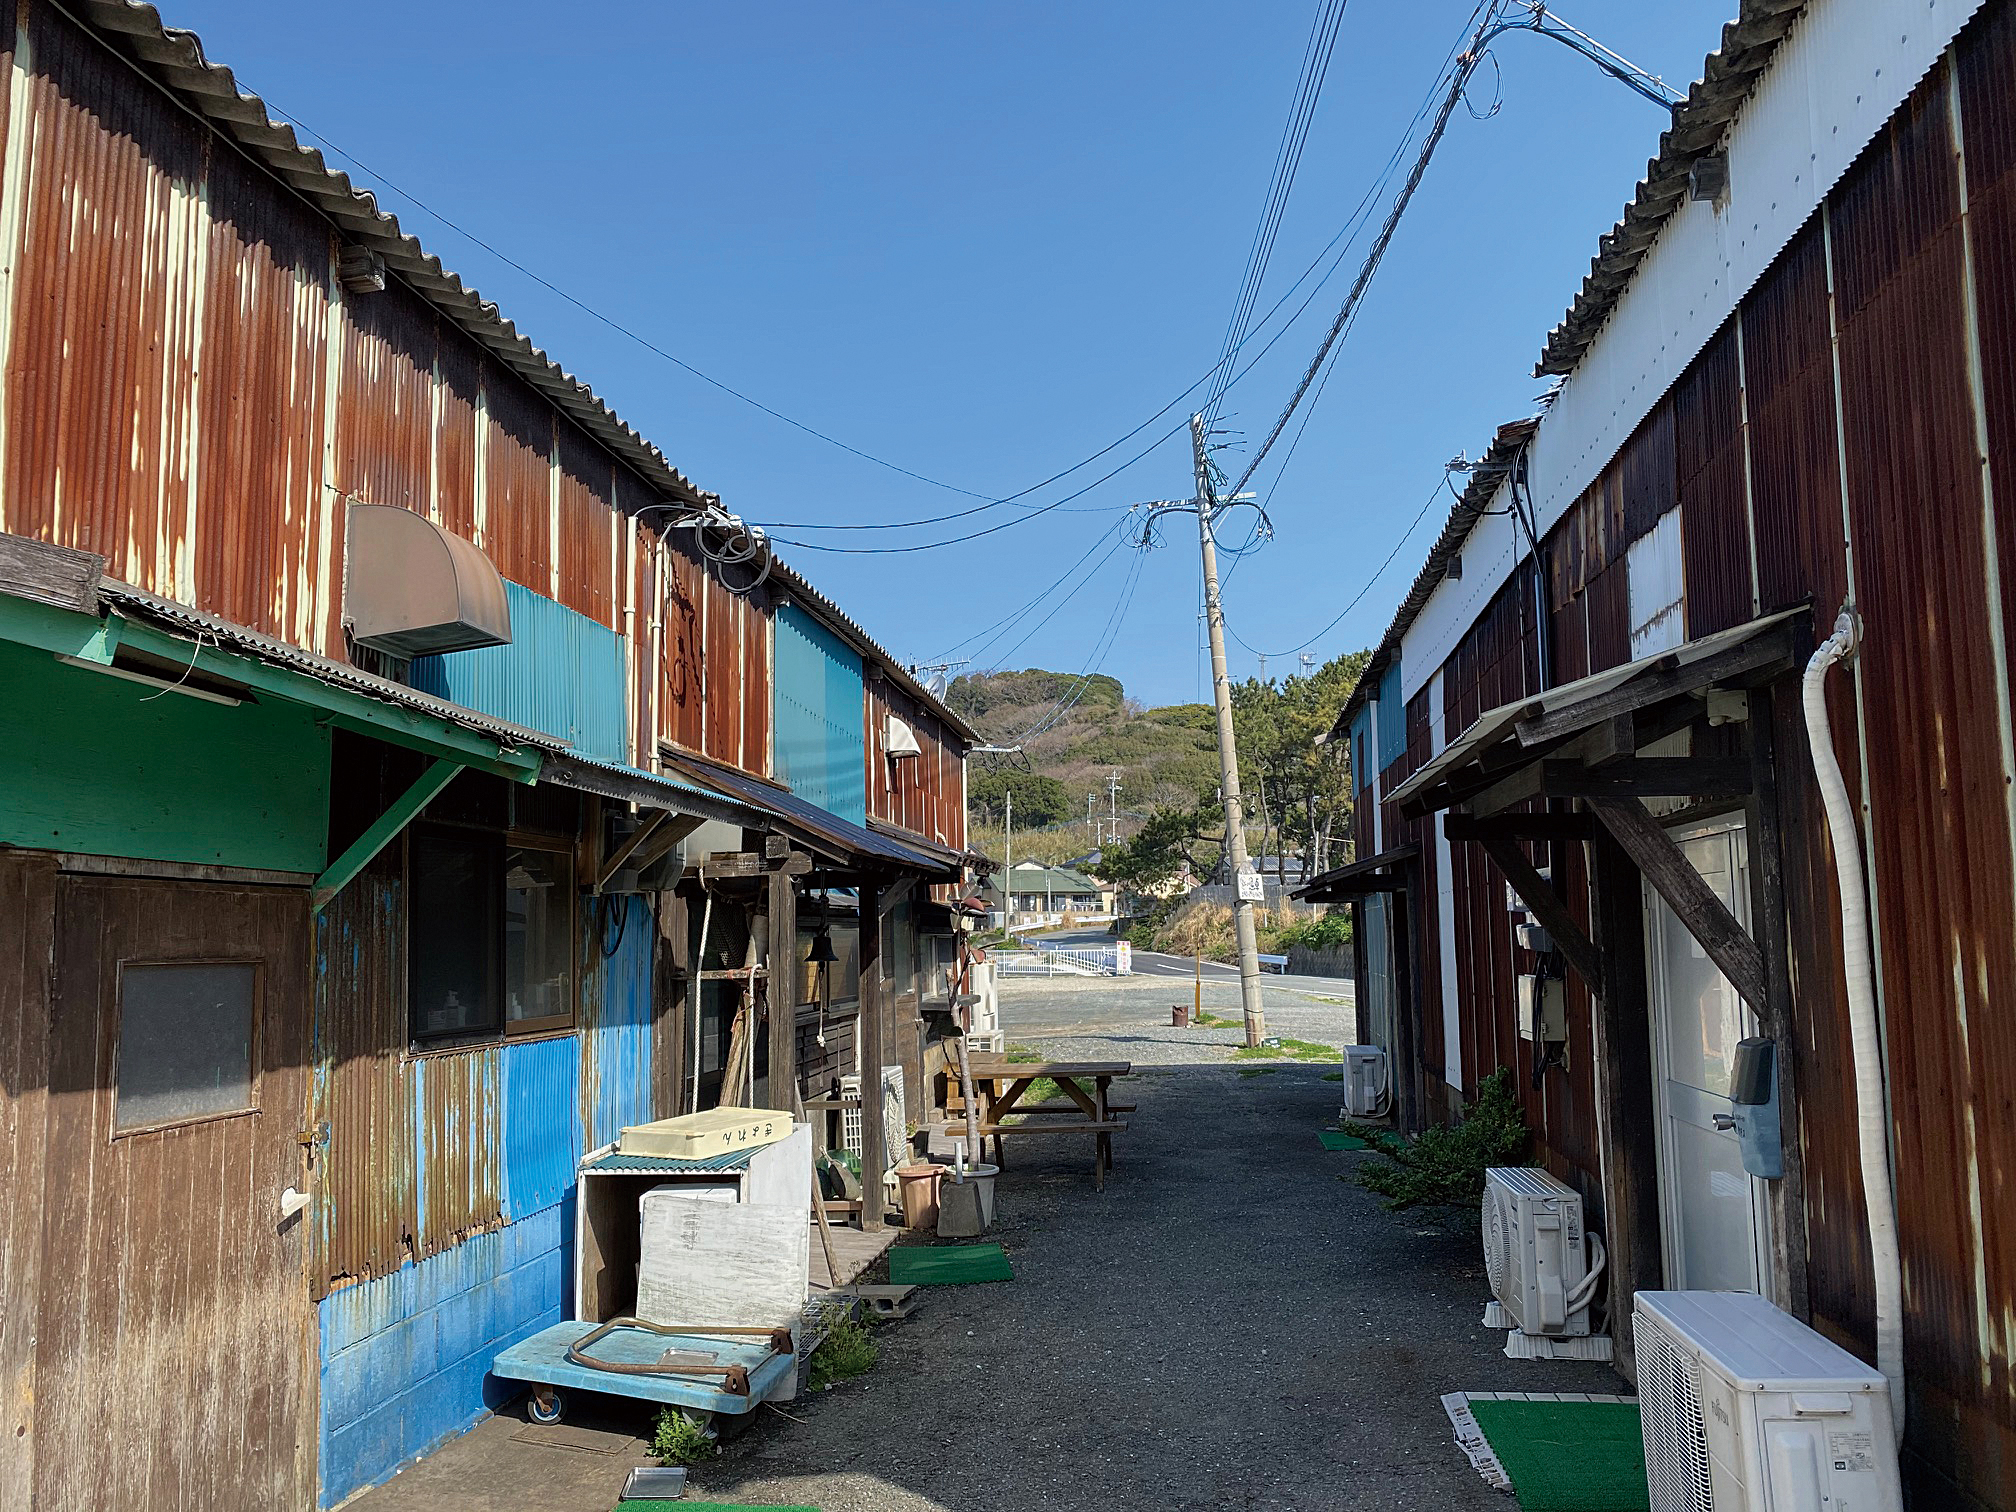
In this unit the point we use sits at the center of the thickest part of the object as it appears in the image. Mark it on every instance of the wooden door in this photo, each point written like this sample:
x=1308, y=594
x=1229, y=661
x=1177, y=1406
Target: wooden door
x=175, y=1355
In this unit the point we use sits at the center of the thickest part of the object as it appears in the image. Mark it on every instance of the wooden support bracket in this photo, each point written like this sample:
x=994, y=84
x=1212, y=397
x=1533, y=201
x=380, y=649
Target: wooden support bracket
x=384, y=829
x=1544, y=826
x=1668, y=678
x=1690, y=897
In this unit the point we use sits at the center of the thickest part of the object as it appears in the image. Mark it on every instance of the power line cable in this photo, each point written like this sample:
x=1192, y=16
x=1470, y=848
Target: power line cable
x=1466, y=62
x=1015, y=614
x=1099, y=649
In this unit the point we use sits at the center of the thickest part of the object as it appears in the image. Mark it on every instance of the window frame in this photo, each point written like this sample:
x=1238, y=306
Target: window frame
x=500, y=1028
x=253, y=1048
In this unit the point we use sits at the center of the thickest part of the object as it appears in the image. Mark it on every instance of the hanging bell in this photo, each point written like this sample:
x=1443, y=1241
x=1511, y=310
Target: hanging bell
x=822, y=952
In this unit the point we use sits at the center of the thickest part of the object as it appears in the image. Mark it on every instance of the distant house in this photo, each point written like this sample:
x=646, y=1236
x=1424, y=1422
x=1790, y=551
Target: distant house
x=1033, y=888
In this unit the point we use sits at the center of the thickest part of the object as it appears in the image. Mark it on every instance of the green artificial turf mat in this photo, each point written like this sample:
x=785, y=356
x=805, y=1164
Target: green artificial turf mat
x=948, y=1265
x=1337, y=1139
x=1568, y=1456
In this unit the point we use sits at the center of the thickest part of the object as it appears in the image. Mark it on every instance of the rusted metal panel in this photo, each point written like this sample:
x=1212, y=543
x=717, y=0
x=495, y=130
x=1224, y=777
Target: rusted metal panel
x=1645, y=472
x=1713, y=495
x=261, y=558
x=518, y=481
x=1795, y=474
x=681, y=670
x=458, y=1127
x=176, y=1280
x=1607, y=602
x=754, y=683
x=1945, y=881
x=367, y=1219
x=588, y=538
x=384, y=452
x=28, y=900
x=724, y=624
x=99, y=391
x=457, y=391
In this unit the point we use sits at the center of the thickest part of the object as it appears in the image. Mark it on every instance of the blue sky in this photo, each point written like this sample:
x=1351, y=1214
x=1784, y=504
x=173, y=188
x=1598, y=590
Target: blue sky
x=982, y=241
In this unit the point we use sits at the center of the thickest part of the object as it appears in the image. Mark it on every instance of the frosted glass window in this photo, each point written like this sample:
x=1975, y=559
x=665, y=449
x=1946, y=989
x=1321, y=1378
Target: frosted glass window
x=185, y=1042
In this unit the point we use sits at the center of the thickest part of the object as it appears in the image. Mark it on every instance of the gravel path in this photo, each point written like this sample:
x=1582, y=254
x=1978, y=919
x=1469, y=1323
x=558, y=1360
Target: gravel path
x=1229, y=1325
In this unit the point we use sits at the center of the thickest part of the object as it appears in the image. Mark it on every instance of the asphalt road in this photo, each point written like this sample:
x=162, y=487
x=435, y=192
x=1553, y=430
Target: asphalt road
x=1146, y=962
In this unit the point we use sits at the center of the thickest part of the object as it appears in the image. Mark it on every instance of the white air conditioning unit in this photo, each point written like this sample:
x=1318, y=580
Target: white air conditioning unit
x=894, y=1139
x=1537, y=1254
x=1746, y=1409
x=1364, y=1081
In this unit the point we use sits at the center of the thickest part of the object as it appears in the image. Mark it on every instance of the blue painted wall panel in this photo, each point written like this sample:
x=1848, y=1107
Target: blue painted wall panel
x=1392, y=717
x=616, y=1057
x=1361, y=740
x=562, y=673
x=542, y=1123
x=820, y=745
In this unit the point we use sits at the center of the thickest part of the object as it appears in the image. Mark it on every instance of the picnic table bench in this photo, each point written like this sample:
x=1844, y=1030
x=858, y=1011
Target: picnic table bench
x=1085, y=1108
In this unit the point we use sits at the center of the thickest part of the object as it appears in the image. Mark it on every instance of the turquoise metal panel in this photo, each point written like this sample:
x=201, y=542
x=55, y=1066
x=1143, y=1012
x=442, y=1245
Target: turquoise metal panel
x=1361, y=738
x=1392, y=717
x=616, y=1019
x=542, y=1123
x=820, y=744
x=562, y=673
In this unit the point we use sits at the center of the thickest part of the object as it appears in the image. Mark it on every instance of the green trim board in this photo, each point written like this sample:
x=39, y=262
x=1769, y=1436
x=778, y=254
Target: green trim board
x=104, y=766
x=385, y=828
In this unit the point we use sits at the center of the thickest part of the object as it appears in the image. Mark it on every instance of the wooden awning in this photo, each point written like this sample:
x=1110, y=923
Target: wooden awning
x=1385, y=872
x=1580, y=740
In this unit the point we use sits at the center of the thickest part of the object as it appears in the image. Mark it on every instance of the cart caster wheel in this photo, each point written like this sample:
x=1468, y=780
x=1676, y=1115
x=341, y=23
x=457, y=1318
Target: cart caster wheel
x=546, y=1406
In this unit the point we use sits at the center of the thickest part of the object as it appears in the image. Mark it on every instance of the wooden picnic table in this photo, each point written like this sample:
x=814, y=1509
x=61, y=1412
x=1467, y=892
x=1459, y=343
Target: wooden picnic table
x=1087, y=1106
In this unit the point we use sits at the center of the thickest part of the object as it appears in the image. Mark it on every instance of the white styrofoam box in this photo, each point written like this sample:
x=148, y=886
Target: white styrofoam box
x=698, y=1191
x=712, y=1131
x=781, y=1174
x=713, y=1264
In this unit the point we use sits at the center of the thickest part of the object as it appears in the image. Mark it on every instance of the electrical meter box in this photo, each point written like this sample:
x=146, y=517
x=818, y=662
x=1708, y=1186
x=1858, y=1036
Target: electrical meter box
x=1543, y=1009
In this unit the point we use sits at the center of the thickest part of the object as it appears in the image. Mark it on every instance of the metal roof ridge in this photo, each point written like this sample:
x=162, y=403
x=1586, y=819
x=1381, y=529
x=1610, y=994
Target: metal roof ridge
x=1699, y=123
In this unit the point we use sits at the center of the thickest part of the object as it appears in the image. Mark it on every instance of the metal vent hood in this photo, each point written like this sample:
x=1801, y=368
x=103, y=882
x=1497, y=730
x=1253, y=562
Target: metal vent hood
x=413, y=589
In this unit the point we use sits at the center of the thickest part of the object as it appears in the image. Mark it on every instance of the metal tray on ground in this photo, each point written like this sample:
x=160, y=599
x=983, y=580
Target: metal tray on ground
x=547, y=1362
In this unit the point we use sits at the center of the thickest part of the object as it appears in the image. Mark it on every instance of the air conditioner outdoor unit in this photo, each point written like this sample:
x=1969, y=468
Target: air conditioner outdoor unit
x=1746, y=1409
x=894, y=1141
x=1537, y=1254
x=1364, y=1081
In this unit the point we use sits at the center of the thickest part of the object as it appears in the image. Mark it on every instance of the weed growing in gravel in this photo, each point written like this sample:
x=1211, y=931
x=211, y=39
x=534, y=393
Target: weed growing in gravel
x=1444, y=1167
x=1259, y=1070
x=679, y=1440
x=1288, y=1049
x=1206, y=1019
x=1333, y=1076
x=848, y=1351
x=1022, y=1054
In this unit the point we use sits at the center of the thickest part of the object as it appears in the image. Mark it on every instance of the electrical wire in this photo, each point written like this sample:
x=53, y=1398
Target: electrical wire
x=1100, y=647
x=1016, y=614
x=1359, y=596
x=1317, y=53
x=1465, y=64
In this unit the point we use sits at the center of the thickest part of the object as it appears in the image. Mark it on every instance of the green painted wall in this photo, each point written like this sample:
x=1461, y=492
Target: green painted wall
x=90, y=763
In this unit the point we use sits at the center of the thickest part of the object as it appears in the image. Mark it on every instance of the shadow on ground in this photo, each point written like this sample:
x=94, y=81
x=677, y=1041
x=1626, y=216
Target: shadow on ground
x=1229, y=1325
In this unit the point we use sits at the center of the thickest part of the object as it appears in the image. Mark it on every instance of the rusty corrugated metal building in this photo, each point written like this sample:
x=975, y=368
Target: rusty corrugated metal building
x=1779, y=396
x=384, y=702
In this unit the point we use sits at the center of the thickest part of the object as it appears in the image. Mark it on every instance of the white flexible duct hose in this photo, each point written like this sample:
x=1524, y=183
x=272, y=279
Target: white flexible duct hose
x=1585, y=1289
x=1872, y=1121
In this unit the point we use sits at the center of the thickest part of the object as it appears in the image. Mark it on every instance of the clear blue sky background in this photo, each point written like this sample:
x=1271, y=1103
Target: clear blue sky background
x=983, y=240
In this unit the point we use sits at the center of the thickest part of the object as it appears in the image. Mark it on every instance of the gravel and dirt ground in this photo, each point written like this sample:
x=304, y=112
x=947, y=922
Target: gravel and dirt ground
x=1229, y=1325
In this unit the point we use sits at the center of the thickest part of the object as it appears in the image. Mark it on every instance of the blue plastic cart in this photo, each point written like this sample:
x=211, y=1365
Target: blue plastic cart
x=701, y=1371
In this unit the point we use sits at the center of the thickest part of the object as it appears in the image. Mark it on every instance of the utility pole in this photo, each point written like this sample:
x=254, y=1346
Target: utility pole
x=1113, y=799
x=1008, y=867
x=1228, y=751
x=1091, y=820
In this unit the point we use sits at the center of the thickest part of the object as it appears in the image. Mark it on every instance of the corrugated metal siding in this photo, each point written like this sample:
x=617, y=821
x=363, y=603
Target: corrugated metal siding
x=261, y=556
x=99, y=400
x=384, y=450
x=721, y=726
x=542, y=1122
x=458, y=391
x=367, y=1221
x=517, y=480
x=561, y=673
x=924, y=793
x=589, y=580
x=682, y=676
x=819, y=703
x=616, y=1022
x=1646, y=473
x=458, y=1129
x=1392, y=716
x=1713, y=494
x=1945, y=884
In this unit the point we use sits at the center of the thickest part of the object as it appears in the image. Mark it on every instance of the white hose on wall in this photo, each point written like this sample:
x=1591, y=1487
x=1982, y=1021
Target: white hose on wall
x=1872, y=1121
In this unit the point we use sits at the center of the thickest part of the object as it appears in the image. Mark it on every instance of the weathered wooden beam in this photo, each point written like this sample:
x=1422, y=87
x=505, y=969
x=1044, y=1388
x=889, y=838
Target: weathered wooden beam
x=726, y=864
x=1688, y=894
x=1667, y=678
x=664, y=838
x=1648, y=777
x=783, y=985
x=1542, y=826
x=384, y=829
x=868, y=1029
x=1538, y=895
x=52, y=575
x=613, y=862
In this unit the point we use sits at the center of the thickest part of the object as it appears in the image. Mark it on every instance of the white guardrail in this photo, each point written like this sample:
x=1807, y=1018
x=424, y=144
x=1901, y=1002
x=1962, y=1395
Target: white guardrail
x=1049, y=961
